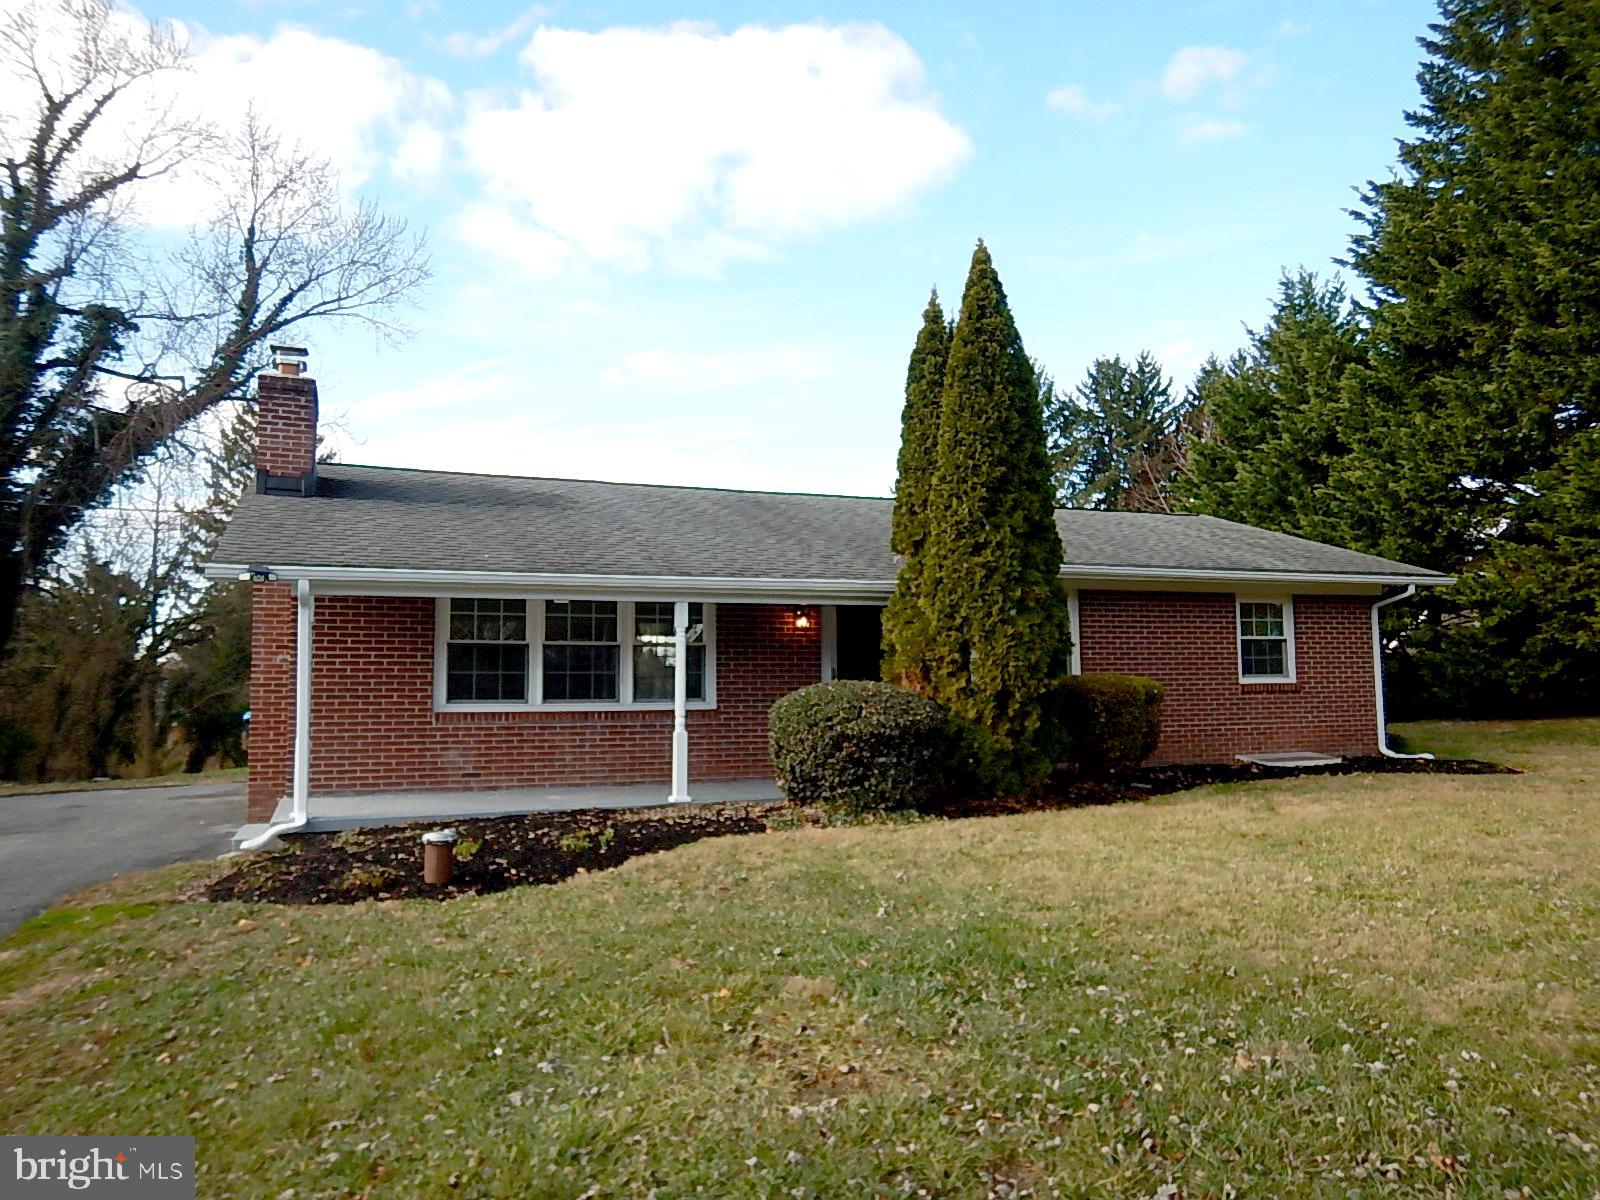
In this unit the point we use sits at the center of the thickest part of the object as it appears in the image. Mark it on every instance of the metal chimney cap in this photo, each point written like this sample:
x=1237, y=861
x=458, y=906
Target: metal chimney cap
x=289, y=360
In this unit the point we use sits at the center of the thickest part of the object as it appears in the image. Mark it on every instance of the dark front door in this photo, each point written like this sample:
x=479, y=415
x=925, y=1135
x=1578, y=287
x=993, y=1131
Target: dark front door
x=858, y=641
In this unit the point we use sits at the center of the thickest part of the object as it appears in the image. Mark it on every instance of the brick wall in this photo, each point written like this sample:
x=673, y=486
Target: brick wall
x=272, y=632
x=1187, y=640
x=286, y=424
x=373, y=724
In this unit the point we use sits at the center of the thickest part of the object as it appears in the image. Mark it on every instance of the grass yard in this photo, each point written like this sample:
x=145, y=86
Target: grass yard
x=1358, y=986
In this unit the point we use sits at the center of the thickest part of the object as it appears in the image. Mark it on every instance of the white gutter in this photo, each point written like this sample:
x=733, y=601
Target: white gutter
x=1193, y=575
x=301, y=783
x=1377, y=676
x=408, y=581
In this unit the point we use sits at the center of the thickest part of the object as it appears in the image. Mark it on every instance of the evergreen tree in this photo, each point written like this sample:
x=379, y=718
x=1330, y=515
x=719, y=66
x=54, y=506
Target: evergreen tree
x=1520, y=631
x=999, y=639
x=1273, y=416
x=1484, y=373
x=1105, y=435
x=209, y=678
x=904, y=622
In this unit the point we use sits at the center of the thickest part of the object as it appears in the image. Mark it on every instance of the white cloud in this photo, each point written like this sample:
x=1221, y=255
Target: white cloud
x=1179, y=352
x=359, y=108
x=476, y=418
x=687, y=146
x=488, y=379
x=501, y=238
x=744, y=371
x=1196, y=130
x=1194, y=68
x=351, y=104
x=463, y=44
x=1074, y=100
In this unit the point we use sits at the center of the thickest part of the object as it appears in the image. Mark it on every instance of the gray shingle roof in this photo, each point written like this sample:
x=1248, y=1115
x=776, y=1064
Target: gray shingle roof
x=380, y=517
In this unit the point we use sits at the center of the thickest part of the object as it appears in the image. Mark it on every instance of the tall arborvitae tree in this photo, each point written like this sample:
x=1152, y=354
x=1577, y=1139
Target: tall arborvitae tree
x=1105, y=434
x=1484, y=375
x=905, y=626
x=1273, y=415
x=999, y=637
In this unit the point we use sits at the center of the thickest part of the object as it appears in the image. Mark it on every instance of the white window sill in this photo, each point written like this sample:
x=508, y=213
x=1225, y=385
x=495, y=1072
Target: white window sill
x=1249, y=679
x=575, y=707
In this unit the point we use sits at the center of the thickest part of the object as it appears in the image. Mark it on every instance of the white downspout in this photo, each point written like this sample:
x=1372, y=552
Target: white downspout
x=1377, y=676
x=300, y=786
x=680, y=703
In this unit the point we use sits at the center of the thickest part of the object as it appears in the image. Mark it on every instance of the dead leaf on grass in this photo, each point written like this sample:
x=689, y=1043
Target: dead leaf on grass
x=45, y=988
x=820, y=987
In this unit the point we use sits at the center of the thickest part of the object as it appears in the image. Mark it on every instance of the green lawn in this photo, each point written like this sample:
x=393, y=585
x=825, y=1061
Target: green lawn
x=1359, y=986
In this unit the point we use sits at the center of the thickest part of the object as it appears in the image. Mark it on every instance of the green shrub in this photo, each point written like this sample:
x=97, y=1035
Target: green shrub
x=858, y=746
x=1110, y=723
x=16, y=743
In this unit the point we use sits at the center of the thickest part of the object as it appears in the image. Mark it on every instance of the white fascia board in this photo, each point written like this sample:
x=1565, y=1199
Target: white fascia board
x=1179, y=575
x=404, y=582
x=409, y=582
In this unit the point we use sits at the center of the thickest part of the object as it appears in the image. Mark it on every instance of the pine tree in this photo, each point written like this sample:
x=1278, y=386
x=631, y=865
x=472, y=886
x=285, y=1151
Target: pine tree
x=999, y=638
x=1485, y=366
x=1274, y=415
x=208, y=680
x=1105, y=433
x=905, y=632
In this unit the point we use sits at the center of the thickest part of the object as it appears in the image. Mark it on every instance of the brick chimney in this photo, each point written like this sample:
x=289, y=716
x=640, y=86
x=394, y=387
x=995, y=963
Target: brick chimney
x=286, y=426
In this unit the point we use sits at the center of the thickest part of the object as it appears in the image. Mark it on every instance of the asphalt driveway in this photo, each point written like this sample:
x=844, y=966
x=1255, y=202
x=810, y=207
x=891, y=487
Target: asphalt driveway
x=54, y=844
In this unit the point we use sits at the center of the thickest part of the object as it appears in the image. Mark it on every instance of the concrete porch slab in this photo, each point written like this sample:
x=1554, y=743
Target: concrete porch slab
x=1291, y=758
x=358, y=809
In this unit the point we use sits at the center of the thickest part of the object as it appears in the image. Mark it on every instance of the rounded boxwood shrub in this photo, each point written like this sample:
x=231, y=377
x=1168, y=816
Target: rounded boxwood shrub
x=1110, y=723
x=859, y=746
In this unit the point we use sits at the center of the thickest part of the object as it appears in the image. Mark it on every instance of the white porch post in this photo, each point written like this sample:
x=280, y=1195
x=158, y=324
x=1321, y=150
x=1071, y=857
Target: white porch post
x=680, y=703
x=304, y=608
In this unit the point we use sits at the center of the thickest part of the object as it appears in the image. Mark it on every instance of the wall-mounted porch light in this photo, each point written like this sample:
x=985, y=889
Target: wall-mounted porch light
x=802, y=619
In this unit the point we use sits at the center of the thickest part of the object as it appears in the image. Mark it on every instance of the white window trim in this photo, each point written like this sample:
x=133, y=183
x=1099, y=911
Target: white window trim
x=1288, y=636
x=1076, y=667
x=830, y=642
x=535, y=701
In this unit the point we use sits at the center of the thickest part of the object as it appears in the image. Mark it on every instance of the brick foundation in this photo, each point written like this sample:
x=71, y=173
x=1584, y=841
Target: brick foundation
x=373, y=725
x=1187, y=640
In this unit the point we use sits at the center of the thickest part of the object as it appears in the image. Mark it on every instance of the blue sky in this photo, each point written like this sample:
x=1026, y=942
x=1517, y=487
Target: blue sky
x=692, y=245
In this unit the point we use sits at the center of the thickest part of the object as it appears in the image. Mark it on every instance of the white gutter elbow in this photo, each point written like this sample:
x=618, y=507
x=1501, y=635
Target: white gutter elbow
x=1377, y=675
x=269, y=835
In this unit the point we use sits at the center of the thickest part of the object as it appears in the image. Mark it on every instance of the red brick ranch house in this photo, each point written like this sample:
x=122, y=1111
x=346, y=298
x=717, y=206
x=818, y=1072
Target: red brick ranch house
x=429, y=634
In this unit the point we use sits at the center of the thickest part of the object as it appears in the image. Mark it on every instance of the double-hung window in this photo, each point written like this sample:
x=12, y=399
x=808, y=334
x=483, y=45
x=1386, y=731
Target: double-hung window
x=582, y=654
x=507, y=654
x=1266, y=641
x=655, y=651
x=486, y=652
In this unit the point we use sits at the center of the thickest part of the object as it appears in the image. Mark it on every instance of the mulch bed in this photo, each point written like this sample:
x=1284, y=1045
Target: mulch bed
x=504, y=852
x=493, y=854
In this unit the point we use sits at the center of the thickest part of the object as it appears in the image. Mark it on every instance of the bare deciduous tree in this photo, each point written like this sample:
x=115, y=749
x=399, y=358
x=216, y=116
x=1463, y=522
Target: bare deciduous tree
x=107, y=346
